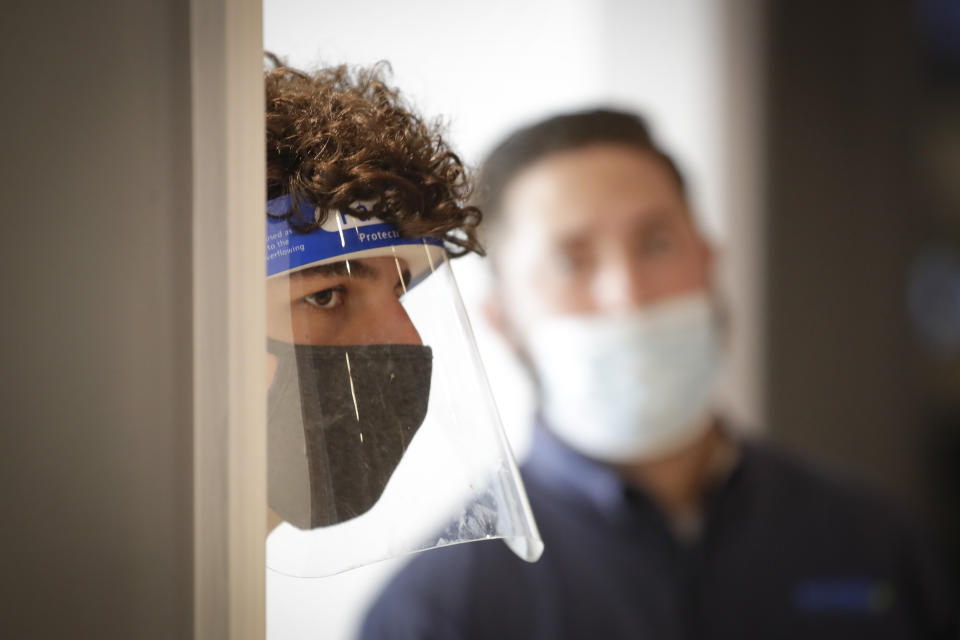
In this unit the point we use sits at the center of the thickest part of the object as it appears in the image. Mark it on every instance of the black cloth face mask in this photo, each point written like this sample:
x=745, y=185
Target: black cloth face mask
x=339, y=420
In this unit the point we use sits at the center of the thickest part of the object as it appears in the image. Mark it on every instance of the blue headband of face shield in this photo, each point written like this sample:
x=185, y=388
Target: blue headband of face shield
x=341, y=235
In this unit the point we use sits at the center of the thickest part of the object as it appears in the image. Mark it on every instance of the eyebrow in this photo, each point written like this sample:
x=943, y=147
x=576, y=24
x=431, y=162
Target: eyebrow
x=356, y=269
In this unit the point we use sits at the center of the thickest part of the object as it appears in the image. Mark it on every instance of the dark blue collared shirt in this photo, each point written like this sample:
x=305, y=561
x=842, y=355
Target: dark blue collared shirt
x=784, y=551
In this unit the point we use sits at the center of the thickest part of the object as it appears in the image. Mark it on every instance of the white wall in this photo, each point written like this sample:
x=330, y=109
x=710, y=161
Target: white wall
x=488, y=67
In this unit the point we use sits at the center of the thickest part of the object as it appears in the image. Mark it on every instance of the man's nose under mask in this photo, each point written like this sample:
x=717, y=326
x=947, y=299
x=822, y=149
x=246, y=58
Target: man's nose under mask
x=339, y=421
x=629, y=387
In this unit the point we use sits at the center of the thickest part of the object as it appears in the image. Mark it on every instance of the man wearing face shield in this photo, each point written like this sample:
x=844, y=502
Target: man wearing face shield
x=659, y=521
x=382, y=439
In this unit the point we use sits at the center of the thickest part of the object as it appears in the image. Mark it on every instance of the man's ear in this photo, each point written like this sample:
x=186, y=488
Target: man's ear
x=495, y=314
x=710, y=255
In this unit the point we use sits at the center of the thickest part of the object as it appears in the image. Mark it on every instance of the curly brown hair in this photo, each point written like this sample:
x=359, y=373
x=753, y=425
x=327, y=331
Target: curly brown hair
x=341, y=135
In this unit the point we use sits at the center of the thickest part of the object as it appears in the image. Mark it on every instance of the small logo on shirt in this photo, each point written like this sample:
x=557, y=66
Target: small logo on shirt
x=844, y=595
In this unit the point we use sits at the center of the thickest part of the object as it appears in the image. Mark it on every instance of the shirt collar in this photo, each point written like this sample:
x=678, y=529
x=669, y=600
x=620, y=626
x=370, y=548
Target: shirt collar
x=567, y=471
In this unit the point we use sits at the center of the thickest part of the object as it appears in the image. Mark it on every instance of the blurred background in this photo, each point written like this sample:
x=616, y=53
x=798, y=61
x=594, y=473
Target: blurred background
x=822, y=142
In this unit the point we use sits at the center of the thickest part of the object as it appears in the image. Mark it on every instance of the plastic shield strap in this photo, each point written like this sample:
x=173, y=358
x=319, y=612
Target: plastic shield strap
x=384, y=437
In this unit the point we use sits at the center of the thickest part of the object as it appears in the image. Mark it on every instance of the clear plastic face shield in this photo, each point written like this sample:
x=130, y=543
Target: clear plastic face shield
x=383, y=438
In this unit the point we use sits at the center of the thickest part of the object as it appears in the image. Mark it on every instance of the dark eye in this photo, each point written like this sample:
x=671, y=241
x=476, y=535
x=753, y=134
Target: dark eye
x=657, y=243
x=326, y=299
x=573, y=262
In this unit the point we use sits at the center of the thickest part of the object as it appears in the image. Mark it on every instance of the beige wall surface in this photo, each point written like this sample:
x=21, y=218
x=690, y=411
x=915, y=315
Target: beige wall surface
x=96, y=333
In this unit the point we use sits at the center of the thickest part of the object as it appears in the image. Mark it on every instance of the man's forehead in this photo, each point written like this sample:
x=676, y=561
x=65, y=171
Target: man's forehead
x=570, y=198
x=574, y=189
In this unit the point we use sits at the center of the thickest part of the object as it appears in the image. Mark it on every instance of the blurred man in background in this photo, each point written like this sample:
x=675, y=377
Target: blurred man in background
x=659, y=520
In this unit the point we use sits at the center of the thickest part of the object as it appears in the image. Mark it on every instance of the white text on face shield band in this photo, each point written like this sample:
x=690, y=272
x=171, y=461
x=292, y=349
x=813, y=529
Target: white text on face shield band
x=632, y=386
